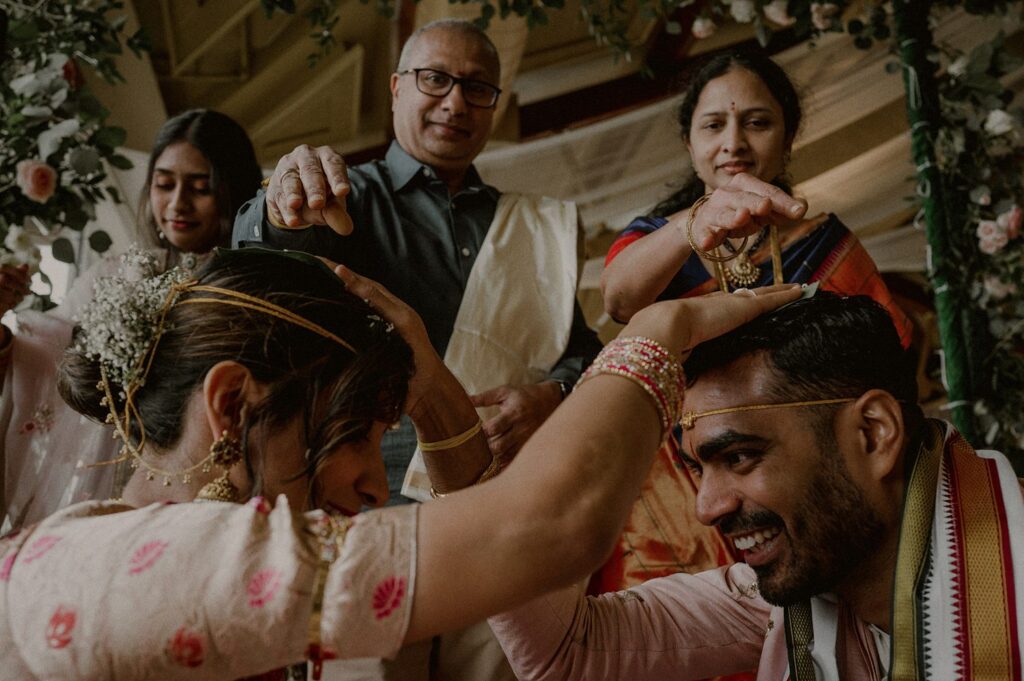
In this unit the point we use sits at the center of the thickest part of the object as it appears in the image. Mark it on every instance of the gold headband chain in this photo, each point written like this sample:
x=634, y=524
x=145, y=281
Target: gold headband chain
x=690, y=417
x=123, y=428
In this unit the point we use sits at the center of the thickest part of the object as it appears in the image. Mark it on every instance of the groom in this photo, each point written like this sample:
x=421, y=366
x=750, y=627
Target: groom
x=876, y=543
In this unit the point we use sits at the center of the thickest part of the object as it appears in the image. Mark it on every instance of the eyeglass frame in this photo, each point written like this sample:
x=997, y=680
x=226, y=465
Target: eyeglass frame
x=455, y=81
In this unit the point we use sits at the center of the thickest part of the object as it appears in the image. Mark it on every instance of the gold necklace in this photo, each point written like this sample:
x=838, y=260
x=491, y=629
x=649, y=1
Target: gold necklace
x=741, y=272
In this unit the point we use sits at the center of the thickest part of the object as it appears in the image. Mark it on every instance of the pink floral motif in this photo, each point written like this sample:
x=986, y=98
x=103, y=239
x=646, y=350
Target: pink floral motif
x=388, y=595
x=263, y=586
x=186, y=647
x=7, y=566
x=39, y=547
x=260, y=504
x=145, y=556
x=62, y=623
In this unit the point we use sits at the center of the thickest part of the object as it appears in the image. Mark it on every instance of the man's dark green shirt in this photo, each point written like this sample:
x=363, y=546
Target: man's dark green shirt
x=415, y=239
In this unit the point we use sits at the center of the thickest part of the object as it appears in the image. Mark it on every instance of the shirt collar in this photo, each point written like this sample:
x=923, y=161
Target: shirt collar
x=403, y=168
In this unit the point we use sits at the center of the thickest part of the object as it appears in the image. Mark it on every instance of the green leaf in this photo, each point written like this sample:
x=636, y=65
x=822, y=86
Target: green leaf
x=22, y=31
x=673, y=27
x=100, y=241
x=64, y=251
x=120, y=162
x=139, y=42
x=110, y=137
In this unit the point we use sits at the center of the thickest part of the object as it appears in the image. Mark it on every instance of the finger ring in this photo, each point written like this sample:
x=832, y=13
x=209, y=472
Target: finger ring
x=746, y=292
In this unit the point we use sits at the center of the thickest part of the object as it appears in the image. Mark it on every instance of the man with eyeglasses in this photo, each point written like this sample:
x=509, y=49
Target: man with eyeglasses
x=492, y=275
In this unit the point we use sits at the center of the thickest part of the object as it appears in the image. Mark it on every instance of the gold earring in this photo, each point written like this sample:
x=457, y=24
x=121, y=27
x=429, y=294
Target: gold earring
x=225, y=452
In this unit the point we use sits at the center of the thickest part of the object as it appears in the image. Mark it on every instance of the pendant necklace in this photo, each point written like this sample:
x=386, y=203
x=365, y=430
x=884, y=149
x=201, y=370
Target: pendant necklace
x=741, y=272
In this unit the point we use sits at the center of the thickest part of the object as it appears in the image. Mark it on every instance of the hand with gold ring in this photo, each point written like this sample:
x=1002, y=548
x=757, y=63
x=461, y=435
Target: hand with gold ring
x=309, y=186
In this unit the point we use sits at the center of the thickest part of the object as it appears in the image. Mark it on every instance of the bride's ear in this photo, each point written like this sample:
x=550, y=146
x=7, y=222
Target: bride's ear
x=229, y=391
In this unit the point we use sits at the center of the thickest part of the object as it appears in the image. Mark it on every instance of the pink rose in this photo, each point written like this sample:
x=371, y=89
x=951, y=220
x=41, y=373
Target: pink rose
x=703, y=27
x=988, y=229
x=993, y=245
x=822, y=13
x=1010, y=221
x=37, y=180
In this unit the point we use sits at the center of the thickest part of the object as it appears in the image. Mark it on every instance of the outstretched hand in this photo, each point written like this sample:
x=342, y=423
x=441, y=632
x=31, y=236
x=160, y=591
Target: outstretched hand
x=740, y=208
x=680, y=325
x=309, y=186
x=408, y=324
x=521, y=411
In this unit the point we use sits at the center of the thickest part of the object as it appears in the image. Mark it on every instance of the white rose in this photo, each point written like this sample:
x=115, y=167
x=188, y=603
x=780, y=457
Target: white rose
x=703, y=27
x=958, y=68
x=777, y=12
x=998, y=123
x=743, y=11
x=822, y=13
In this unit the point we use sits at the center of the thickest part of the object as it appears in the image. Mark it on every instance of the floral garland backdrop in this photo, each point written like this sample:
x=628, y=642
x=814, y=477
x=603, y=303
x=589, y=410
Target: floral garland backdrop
x=54, y=141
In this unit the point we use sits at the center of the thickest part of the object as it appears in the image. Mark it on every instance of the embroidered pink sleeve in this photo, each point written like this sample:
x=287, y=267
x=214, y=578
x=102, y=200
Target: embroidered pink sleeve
x=196, y=591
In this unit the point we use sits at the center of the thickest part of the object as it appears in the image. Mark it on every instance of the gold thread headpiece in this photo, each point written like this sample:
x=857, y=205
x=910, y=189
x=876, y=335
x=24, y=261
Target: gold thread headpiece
x=135, y=370
x=689, y=418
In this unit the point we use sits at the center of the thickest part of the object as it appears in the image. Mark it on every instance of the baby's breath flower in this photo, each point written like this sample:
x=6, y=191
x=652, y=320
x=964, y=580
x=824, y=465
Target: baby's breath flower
x=120, y=323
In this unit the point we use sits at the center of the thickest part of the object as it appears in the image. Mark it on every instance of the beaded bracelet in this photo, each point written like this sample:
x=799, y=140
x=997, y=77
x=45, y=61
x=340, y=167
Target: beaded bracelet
x=648, y=364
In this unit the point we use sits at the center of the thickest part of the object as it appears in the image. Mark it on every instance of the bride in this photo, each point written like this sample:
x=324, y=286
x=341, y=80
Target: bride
x=263, y=376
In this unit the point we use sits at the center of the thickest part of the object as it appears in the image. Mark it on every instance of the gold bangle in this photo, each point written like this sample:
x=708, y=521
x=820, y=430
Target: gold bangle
x=711, y=257
x=452, y=442
x=496, y=466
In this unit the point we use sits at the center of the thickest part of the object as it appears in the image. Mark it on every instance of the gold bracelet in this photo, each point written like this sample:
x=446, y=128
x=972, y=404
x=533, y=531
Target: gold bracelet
x=452, y=442
x=496, y=466
x=711, y=257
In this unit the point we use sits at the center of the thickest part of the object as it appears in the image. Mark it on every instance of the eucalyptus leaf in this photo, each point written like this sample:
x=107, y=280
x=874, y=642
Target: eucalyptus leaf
x=100, y=241
x=110, y=136
x=63, y=251
x=120, y=162
x=84, y=160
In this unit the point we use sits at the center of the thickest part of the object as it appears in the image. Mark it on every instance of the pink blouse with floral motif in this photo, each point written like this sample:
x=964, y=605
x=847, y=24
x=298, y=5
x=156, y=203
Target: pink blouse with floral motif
x=201, y=590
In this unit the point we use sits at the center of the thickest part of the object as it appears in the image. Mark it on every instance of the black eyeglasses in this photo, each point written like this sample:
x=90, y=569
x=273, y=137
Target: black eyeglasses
x=438, y=84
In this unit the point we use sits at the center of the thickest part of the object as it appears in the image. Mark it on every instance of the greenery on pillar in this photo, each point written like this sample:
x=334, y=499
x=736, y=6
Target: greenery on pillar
x=55, y=145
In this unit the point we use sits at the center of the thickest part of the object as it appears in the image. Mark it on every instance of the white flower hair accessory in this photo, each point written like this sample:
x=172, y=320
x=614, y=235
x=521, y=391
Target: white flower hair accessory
x=122, y=321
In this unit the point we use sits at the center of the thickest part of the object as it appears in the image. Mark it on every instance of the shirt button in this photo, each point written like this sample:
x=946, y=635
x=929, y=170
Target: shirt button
x=256, y=231
x=465, y=252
